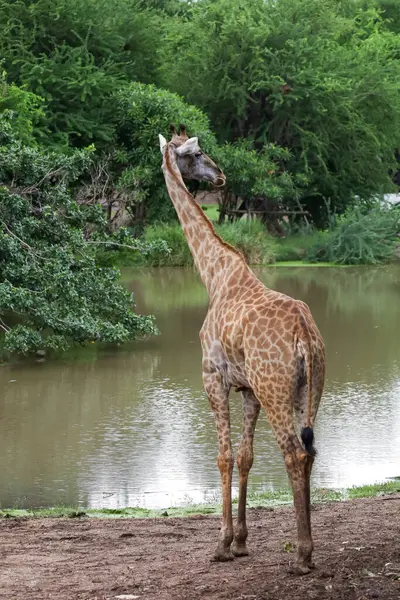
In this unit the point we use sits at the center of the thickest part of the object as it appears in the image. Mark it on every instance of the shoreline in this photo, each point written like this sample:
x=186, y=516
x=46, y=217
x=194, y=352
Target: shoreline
x=264, y=500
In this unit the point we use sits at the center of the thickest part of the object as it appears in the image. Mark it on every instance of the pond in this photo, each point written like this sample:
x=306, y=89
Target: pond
x=132, y=426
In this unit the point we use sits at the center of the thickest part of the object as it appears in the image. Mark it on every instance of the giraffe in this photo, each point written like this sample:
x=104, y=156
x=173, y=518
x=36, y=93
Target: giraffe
x=260, y=342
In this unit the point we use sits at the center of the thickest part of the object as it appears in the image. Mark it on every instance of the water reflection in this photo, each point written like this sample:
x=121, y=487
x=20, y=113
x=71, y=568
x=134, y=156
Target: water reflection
x=127, y=427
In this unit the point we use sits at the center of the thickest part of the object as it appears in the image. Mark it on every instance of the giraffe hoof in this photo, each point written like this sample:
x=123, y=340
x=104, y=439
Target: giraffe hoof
x=239, y=550
x=222, y=555
x=299, y=569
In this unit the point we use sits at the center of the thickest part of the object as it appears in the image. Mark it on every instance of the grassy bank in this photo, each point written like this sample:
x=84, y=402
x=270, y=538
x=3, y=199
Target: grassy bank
x=359, y=237
x=267, y=500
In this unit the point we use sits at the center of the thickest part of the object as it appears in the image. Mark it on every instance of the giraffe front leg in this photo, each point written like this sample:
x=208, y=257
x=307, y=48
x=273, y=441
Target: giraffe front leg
x=218, y=396
x=251, y=411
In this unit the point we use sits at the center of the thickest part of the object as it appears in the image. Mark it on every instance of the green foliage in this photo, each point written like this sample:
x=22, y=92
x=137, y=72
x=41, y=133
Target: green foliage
x=250, y=173
x=359, y=237
x=143, y=111
x=296, y=247
x=305, y=92
x=378, y=489
x=318, y=77
x=74, y=54
x=24, y=107
x=52, y=290
x=250, y=237
x=391, y=12
x=172, y=234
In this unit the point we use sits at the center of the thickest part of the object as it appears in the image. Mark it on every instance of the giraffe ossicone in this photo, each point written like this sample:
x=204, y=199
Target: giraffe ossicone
x=254, y=339
x=163, y=142
x=191, y=146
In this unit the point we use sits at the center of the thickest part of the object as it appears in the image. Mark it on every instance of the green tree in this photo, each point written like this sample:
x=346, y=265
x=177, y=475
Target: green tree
x=391, y=12
x=26, y=109
x=143, y=111
x=317, y=77
x=74, y=54
x=53, y=289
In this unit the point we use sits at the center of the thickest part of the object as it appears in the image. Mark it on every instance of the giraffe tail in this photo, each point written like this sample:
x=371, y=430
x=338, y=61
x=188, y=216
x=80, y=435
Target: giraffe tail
x=307, y=436
x=307, y=433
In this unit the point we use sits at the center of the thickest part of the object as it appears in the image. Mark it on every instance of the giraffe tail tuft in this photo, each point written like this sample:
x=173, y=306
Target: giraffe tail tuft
x=307, y=436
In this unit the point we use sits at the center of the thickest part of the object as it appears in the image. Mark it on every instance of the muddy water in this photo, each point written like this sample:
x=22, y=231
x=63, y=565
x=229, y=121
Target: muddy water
x=132, y=427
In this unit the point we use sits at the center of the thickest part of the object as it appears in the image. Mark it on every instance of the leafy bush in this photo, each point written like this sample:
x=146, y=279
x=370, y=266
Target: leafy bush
x=143, y=111
x=359, y=238
x=172, y=234
x=53, y=292
x=250, y=237
x=296, y=247
x=251, y=173
x=25, y=108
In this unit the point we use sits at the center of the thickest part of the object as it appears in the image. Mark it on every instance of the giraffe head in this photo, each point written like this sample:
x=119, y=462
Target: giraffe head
x=191, y=160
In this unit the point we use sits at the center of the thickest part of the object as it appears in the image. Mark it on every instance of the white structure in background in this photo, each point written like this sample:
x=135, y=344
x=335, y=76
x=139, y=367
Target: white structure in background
x=392, y=198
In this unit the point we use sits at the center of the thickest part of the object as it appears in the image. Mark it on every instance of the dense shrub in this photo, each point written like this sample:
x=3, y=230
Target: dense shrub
x=25, y=108
x=359, y=237
x=296, y=247
x=143, y=111
x=250, y=237
x=260, y=174
x=172, y=234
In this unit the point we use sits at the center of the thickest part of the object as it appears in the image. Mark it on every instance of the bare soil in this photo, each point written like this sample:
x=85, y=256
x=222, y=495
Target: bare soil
x=357, y=552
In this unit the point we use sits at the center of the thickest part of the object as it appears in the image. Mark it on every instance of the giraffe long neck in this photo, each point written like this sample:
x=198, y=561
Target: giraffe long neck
x=211, y=254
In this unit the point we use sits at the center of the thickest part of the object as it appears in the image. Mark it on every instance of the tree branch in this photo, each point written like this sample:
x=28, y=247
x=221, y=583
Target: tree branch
x=16, y=237
x=115, y=244
x=3, y=326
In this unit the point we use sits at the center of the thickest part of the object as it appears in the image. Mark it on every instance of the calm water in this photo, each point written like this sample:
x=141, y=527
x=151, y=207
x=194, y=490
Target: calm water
x=133, y=427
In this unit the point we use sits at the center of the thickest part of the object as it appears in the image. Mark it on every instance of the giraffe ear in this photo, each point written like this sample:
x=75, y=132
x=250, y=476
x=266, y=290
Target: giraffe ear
x=191, y=146
x=163, y=142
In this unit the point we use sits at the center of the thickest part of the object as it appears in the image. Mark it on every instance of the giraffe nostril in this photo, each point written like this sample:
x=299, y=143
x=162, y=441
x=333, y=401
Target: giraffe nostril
x=220, y=182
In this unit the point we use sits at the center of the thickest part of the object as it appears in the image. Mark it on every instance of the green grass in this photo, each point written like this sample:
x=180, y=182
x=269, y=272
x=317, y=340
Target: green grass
x=268, y=499
x=250, y=237
x=212, y=211
x=295, y=247
x=301, y=263
x=368, y=491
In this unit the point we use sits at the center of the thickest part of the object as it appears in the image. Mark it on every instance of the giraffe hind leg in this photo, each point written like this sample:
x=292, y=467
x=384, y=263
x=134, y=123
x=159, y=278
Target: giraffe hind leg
x=278, y=403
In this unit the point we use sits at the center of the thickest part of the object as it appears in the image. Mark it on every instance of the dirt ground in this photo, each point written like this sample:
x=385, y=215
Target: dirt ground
x=357, y=552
